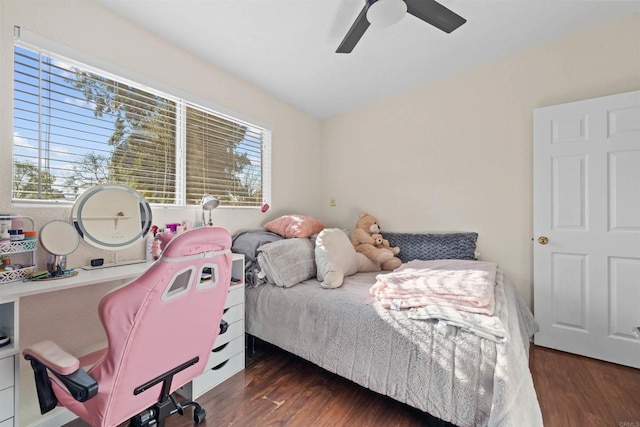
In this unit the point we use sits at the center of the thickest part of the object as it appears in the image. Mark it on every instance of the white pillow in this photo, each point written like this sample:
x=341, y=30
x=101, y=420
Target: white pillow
x=287, y=262
x=336, y=258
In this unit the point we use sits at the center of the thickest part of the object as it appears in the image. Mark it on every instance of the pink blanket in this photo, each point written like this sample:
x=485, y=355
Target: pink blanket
x=463, y=285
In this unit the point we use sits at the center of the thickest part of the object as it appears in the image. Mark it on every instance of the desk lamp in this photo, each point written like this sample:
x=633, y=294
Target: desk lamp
x=208, y=203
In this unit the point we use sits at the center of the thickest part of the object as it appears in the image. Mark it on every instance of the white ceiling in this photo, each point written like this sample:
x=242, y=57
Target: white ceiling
x=286, y=47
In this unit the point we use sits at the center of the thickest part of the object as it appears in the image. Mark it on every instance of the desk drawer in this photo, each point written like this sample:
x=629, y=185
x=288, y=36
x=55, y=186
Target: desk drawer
x=6, y=403
x=233, y=313
x=235, y=296
x=225, y=352
x=235, y=330
x=214, y=376
x=7, y=368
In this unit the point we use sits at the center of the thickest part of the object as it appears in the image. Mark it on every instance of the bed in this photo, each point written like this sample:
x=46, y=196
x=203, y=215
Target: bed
x=447, y=371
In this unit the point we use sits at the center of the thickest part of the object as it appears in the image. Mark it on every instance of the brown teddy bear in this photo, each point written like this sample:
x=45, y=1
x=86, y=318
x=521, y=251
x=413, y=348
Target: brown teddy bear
x=377, y=240
x=381, y=242
x=365, y=244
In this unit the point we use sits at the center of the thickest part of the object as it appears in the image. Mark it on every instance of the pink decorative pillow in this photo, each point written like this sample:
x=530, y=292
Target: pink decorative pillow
x=289, y=226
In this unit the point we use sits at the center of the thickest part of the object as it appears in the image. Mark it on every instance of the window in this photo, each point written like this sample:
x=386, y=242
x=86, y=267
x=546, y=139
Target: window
x=75, y=127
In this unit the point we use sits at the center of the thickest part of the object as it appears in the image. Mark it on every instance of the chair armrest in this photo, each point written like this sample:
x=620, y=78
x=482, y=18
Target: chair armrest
x=53, y=357
x=64, y=366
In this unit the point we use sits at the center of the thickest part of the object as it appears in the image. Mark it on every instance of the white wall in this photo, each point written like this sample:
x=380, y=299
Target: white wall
x=456, y=155
x=92, y=30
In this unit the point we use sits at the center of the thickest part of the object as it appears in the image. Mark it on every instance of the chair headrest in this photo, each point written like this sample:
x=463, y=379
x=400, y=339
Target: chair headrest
x=197, y=241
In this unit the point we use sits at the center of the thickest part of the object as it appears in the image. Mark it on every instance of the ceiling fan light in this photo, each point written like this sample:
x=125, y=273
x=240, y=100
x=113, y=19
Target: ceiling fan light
x=382, y=13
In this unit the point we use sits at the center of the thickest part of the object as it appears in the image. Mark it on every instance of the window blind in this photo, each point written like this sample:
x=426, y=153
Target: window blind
x=75, y=128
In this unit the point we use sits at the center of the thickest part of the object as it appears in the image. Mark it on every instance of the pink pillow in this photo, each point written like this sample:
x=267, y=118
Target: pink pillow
x=289, y=226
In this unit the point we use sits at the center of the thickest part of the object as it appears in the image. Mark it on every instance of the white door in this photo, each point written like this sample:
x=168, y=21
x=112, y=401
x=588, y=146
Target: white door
x=586, y=165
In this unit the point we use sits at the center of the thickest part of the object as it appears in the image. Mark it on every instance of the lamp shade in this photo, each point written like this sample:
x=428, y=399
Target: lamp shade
x=208, y=203
x=382, y=13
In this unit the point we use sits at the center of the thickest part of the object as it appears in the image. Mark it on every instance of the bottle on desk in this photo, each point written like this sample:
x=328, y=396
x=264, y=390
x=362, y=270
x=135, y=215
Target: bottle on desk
x=149, y=246
x=156, y=248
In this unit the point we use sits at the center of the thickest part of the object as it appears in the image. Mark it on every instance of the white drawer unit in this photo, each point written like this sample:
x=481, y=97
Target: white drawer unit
x=227, y=356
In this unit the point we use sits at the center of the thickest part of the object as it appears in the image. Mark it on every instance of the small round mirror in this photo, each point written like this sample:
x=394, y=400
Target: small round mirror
x=59, y=238
x=111, y=216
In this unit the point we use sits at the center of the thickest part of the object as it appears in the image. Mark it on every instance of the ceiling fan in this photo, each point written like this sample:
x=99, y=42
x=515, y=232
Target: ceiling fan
x=387, y=12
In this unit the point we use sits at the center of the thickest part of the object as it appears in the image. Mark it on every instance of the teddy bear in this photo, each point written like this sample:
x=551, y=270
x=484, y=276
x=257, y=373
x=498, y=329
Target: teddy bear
x=381, y=242
x=363, y=243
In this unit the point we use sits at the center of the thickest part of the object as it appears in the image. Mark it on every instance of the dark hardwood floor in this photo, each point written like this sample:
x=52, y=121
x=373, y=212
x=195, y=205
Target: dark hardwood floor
x=279, y=389
x=579, y=391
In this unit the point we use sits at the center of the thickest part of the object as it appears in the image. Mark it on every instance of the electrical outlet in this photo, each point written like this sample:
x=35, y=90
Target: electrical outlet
x=332, y=202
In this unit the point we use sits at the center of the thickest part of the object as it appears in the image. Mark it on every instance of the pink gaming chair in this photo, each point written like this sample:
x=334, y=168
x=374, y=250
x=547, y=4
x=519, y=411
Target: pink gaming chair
x=160, y=328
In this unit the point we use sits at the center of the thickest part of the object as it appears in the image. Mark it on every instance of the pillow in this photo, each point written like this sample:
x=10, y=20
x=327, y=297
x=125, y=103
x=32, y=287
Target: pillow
x=247, y=243
x=289, y=226
x=287, y=262
x=428, y=246
x=336, y=258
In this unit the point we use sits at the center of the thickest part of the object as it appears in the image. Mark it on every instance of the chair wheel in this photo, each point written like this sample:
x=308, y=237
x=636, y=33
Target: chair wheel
x=199, y=415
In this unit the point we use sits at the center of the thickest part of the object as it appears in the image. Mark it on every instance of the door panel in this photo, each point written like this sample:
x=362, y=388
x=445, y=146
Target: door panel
x=625, y=295
x=569, y=192
x=569, y=290
x=624, y=188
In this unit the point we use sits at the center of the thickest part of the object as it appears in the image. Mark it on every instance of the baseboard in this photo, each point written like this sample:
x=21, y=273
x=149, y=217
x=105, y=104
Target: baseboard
x=56, y=418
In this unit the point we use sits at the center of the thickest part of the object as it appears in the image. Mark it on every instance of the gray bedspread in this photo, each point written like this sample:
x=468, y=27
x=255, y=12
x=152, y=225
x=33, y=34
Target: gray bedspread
x=447, y=372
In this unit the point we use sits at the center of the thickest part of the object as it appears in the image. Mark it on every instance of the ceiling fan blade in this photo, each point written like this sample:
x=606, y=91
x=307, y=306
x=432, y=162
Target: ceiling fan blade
x=435, y=14
x=355, y=33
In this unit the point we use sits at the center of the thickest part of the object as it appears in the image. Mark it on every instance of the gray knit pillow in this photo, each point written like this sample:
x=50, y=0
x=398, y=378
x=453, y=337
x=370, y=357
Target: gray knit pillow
x=427, y=246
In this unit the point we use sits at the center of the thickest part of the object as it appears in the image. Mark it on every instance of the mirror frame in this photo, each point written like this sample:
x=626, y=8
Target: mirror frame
x=87, y=229
x=64, y=234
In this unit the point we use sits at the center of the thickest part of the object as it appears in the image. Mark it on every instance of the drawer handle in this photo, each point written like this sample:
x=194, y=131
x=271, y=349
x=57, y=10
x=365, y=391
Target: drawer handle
x=220, y=348
x=215, y=368
x=224, y=326
x=225, y=311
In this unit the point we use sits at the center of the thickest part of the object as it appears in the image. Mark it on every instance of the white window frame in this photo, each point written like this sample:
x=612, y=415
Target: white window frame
x=45, y=46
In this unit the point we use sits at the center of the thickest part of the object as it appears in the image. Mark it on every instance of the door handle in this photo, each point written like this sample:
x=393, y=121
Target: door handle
x=543, y=240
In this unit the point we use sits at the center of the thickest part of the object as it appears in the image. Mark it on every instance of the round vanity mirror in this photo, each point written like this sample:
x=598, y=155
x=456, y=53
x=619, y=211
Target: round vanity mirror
x=59, y=239
x=111, y=216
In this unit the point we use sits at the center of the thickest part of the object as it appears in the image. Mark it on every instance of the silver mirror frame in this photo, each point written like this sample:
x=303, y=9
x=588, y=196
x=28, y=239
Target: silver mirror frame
x=58, y=237
x=88, y=233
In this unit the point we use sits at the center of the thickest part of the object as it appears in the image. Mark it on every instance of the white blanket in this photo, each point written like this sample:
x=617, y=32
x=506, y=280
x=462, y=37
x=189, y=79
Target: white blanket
x=459, y=284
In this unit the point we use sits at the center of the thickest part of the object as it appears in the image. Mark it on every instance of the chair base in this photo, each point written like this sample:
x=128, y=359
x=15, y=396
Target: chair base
x=157, y=414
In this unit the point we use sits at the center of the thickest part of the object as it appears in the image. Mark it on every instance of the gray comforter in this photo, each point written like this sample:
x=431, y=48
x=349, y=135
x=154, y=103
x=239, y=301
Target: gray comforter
x=437, y=368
